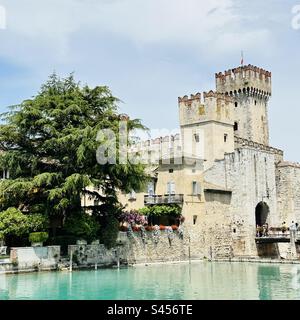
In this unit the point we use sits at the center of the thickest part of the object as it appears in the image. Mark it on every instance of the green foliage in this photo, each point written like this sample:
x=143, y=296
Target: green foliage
x=35, y=237
x=109, y=232
x=82, y=226
x=49, y=145
x=13, y=222
x=146, y=211
x=162, y=210
x=37, y=222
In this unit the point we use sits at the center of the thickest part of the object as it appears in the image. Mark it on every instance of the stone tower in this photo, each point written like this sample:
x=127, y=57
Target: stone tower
x=250, y=88
x=206, y=123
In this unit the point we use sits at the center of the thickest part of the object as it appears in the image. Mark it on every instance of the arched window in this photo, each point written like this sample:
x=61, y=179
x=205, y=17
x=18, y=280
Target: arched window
x=236, y=104
x=236, y=126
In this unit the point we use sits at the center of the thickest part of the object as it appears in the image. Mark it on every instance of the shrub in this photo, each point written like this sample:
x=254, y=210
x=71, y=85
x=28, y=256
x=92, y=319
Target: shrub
x=162, y=210
x=38, y=237
x=82, y=226
x=13, y=222
x=37, y=222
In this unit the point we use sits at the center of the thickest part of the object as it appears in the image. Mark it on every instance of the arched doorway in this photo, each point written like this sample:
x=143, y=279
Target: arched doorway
x=261, y=213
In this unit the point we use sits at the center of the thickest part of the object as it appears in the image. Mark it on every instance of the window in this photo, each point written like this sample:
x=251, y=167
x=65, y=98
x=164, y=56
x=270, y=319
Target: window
x=225, y=137
x=196, y=137
x=171, y=170
x=255, y=102
x=236, y=104
x=195, y=219
x=150, y=188
x=196, y=188
x=5, y=174
x=236, y=126
x=171, y=187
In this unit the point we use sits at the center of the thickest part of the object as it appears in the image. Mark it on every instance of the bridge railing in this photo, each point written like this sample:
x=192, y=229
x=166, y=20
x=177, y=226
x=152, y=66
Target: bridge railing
x=277, y=233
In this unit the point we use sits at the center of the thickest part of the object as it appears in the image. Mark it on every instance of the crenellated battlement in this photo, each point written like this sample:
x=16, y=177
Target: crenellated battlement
x=202, y=98
x=241, y=142
x=249, y=80
x=188, y=100
x=217, y=96
x=208, y=106
x=256, y=71
x=153, y=150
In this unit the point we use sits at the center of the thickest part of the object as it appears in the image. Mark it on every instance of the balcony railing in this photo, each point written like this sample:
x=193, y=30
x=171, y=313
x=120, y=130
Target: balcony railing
x=164, y=199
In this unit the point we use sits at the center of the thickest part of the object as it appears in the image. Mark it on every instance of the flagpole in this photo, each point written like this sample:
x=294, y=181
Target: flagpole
x=242, y=58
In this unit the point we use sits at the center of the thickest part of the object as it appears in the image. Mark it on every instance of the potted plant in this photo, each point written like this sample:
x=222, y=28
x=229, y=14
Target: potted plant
x=38, y=238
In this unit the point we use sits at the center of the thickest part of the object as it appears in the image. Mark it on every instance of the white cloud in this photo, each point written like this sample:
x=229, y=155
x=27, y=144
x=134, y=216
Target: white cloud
x=40, y=31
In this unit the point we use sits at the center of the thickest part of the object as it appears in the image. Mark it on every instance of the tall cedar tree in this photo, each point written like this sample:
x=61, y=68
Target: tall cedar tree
x=49, y=146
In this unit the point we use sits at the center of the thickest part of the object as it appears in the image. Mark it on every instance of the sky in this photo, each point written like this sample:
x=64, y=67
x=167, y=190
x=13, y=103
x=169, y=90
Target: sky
x=149, y=52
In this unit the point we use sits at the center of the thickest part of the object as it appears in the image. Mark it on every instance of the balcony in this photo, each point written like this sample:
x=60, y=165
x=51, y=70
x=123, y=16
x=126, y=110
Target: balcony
x=164, y=199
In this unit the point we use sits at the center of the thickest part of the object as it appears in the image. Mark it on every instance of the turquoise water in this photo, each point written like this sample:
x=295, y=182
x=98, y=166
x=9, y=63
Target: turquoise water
x=203, y=280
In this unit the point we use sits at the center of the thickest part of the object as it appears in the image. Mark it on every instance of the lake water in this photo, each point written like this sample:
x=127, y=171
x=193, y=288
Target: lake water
x=203, y=280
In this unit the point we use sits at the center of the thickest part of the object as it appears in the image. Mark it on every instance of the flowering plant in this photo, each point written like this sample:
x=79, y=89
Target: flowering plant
x=132, y=217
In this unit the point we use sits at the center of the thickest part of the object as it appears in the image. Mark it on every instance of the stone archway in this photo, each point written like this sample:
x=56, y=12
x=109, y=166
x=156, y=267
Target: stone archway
x=261, y=213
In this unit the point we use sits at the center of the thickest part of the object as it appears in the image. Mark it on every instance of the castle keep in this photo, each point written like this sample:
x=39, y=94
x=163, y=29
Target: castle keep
x=239, y=182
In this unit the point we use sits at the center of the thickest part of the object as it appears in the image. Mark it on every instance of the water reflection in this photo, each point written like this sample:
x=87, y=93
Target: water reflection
x=204, y=280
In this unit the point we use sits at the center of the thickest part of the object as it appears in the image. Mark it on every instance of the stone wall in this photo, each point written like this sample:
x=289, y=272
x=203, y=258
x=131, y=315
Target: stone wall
x=134, y=250
x=157, y=249
x=250, y=174
x=35, y=257
x=91, y=254
x=288, y=191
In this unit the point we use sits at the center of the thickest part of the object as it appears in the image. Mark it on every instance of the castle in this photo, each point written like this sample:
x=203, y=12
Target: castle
x=240, y=180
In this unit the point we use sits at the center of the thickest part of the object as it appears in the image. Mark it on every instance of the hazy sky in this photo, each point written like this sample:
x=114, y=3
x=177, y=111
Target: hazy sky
x=149, y=52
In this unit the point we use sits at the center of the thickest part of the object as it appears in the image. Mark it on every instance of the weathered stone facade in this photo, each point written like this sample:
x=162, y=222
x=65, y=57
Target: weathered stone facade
x=243, y=181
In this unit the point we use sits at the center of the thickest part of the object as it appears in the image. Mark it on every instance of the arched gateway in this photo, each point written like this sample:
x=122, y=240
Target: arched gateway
x=261, y=213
